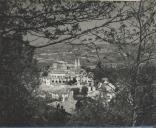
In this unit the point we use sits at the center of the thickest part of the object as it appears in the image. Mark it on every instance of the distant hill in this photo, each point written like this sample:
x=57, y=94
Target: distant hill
x=108, y=53
x=88, y=56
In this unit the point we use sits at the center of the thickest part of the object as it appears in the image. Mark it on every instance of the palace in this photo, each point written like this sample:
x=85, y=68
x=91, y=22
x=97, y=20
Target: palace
x=63, y=78
x=63, y=73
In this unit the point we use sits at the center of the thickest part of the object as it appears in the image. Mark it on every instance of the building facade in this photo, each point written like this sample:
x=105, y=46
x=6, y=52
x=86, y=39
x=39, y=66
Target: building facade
x=63, y=73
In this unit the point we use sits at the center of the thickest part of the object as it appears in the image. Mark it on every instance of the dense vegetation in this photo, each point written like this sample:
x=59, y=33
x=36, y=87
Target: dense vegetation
x=60, y=21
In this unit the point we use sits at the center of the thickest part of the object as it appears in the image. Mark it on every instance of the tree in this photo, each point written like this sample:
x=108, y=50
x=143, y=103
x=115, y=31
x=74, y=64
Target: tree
x=71, y=82
x=84, y=91
x=88, y=113
x=134, y=40
x=18, y=80
x=54, y=19
x=19, y=18
x=57, y=21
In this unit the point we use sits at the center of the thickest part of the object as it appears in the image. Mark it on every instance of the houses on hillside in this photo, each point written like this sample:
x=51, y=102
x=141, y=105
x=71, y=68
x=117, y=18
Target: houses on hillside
x=65, y=81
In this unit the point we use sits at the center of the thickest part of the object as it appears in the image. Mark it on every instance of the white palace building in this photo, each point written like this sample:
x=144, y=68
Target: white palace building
x=63, y=73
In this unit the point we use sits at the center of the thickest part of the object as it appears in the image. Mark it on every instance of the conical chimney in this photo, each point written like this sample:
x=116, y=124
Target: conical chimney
x=75, y=64
x=78, y=63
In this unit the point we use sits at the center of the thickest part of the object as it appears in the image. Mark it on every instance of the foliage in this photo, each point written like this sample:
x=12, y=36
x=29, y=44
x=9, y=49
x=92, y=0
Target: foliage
x=84, y=91
x=56, y=117
x=18, y=80
x=87, y=113
x=71, y=82
x=134, y=42
x=91, y=112
x=60, y=21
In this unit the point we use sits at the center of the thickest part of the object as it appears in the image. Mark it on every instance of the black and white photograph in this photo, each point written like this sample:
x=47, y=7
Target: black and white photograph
x=89, y=63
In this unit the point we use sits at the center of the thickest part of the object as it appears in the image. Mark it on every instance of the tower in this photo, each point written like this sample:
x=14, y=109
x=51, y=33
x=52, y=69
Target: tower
x=78, y=63
x=75, y=64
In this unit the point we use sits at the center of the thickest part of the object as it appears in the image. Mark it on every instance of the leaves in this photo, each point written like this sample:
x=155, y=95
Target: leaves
x=18, y=79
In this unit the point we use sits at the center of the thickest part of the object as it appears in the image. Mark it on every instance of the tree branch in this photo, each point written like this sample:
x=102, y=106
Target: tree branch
x=112, y=20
